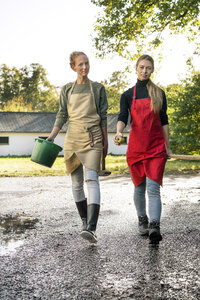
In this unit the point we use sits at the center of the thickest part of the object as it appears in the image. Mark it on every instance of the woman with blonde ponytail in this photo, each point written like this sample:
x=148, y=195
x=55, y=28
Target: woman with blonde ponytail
x=148, y=145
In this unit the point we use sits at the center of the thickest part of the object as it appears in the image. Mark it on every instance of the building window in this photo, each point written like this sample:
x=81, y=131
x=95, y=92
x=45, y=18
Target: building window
x=4, y=140
x=125, y=138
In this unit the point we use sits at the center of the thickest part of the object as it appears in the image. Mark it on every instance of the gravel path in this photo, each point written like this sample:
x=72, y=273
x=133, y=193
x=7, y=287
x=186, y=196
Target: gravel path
x=42, y=255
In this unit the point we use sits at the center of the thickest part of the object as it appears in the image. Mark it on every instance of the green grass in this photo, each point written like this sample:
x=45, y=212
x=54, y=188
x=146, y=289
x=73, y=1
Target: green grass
x=118, y=165
x=23, y=166
x=177, y=166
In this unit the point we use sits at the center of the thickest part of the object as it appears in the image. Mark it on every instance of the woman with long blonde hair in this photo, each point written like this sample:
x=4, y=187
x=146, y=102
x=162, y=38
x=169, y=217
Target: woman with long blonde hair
x=148, y=144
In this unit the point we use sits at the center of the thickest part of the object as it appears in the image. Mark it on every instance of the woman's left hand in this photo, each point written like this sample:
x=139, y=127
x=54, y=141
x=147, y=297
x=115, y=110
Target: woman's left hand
x=169, y=152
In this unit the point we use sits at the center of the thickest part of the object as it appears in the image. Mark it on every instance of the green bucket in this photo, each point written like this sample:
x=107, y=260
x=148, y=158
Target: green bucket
x=45, y=152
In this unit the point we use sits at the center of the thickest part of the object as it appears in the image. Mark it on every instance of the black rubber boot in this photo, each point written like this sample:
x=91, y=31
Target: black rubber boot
x=92, y=217
x=143, y=225
x=154, y=233
x=82, y=209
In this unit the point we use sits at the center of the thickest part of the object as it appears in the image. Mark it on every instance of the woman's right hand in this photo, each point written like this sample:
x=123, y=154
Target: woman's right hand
x=117, y=138
x=50, y=139
x=53, y=134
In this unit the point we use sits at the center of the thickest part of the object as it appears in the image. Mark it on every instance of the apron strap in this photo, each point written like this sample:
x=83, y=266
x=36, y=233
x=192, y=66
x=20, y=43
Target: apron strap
x=91, y=89
x=134, y=93
x=70, y=91
x=134, y=97
x=73, y=85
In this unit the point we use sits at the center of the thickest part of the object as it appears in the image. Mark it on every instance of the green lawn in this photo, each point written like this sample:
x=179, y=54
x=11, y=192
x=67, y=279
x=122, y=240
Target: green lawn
x=23, y=166
x=118, y=165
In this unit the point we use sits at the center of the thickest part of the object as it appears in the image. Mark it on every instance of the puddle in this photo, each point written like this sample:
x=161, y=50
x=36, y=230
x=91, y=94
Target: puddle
x=10, y=246
x=12, y=227
x=16, y=224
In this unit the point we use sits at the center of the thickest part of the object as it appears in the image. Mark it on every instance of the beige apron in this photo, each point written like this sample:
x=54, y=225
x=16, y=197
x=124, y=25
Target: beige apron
x=83, y=141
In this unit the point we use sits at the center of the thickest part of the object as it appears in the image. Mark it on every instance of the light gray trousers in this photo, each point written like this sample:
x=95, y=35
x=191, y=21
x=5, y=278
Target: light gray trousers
x=92, y=182
x=153, y=192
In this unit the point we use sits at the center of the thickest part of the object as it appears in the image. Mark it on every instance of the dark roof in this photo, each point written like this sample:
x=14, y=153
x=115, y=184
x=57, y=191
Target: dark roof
x=26, y=122
x=40, y=122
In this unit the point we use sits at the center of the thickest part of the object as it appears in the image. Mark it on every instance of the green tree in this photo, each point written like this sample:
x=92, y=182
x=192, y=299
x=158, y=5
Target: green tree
x=184, y=115
x=115, y=85
x=9, y=83
x=142, y=22
x=37, y=90
x=27, y=89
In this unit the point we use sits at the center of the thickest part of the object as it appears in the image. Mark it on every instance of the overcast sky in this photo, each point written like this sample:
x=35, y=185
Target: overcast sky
x=47, y=31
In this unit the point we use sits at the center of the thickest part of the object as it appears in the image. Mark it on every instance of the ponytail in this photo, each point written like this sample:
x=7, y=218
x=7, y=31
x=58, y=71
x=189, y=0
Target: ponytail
x=155, y=93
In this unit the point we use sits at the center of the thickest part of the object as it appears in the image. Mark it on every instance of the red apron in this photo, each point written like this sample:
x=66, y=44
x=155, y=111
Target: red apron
x=146, y=153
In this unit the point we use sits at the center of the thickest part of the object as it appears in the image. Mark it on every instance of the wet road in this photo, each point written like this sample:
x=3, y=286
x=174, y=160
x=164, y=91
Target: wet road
x=42, y=255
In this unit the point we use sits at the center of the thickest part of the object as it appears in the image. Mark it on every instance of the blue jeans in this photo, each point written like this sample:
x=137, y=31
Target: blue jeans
x=153, y=192
x=92, y=181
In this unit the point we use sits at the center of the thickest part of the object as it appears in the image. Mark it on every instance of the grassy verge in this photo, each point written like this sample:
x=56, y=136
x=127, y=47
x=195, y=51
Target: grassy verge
x=23, y=166
x=118, y=165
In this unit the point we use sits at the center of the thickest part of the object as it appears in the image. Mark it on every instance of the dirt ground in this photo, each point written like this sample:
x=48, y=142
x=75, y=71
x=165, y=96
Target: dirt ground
x=42, y=255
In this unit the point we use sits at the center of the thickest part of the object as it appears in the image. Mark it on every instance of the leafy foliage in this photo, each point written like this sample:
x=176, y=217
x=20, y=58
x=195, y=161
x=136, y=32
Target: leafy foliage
x=27, y=89
x=142, y=23
x=184, y=115
x=115, y=85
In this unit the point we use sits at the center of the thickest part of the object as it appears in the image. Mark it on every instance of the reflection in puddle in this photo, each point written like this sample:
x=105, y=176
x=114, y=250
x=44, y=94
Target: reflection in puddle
x=16, y=224
x=10, y=246
x=12, y=227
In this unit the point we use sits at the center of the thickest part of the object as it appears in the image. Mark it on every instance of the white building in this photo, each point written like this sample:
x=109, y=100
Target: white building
x=18, y=131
